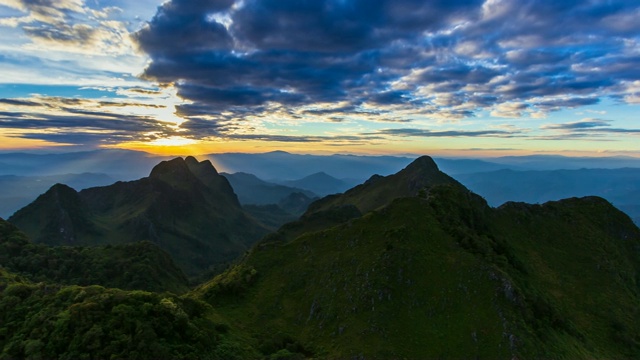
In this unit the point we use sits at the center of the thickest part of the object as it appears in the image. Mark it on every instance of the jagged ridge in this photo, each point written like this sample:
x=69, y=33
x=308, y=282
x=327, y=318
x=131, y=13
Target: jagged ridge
x=184, y=206
x=442, y=275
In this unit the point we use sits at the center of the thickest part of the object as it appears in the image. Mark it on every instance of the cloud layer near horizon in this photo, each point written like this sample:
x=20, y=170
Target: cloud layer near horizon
x=392, y=60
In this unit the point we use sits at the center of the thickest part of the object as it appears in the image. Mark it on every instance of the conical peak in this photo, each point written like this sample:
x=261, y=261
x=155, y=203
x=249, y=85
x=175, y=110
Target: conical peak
x=422, y=164
x=61, y=188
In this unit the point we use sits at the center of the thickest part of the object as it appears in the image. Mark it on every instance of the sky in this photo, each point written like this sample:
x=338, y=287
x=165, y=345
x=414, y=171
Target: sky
x=439, y=77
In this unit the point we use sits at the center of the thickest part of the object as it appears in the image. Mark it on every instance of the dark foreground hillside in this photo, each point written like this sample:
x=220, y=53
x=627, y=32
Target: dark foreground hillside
x=411, y=265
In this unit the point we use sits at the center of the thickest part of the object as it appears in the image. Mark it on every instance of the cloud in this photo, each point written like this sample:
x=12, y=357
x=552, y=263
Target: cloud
x=587, y=128
x=68, y=104
x=437, y=59
x=47, y=11
x=70, y=26
x=19, y=102
x=409, y=132
x=82, y=121
x=88, y=120
x=200, y=129
x=509, y=110
x=578, y=125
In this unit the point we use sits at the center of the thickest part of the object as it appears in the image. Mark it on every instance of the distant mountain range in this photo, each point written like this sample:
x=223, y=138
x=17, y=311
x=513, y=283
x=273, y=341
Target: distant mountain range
x=252, y=190
x=283, y=166
x=321, y=183
x=118, y=164
x=620, y=186
x=454, y=166
x=409, y=265
x=276, y=203
x=340, y=172
x=19, y=191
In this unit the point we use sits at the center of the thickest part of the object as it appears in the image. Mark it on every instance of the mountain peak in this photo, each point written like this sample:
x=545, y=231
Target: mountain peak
x=61, y=213
x=379, y=191
x=200, y=168
x=190, y=160
x=184, y=173
x=61, y=188
x=173, y=166
x=319, y=175
x=422, y=164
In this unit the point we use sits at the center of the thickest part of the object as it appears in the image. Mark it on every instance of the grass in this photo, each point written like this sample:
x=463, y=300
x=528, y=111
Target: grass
x=444, y=275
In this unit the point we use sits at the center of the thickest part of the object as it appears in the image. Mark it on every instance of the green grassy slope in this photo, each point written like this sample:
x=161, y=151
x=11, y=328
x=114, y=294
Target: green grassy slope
x=442, y=275
x=391, y=284
x=379, y=191
x=579, y=273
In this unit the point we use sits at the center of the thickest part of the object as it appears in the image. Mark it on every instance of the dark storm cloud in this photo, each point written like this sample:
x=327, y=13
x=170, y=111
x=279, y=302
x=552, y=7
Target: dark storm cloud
x=184, y=27
x=339, y=26
x=458, y=57
x=390, y=97
x=461, y=73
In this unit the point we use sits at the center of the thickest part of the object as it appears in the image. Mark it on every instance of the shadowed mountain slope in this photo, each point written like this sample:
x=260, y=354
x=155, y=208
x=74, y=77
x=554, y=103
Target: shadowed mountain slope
x=434, y=272
x=140, y=265
x=381, y=190
x=376, y=192
x=184, y=206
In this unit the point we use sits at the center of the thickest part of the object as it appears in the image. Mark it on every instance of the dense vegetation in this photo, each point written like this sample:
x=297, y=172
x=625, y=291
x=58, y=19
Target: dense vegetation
x=44, y=321
x=411, y=265
x=443, y=275
x=141, y=265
